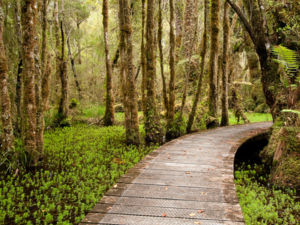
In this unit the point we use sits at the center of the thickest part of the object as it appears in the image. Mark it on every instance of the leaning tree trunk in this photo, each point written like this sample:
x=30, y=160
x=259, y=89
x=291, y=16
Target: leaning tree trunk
x=214, y=47
x=161, y=56
x=171, y=107
x=226, y=35
x=256, y=28
x=109, y=109
x=200, y=78
x=152, y=122
x=7, y=136
x=29, y=15
x=127, y=75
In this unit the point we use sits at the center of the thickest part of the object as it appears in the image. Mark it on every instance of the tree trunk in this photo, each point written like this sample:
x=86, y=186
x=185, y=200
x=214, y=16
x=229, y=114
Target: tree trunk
x=200, y=78
x=29, y=15
x=214, y=46
x=171, y=107
x=79, y=44
x=7, y=136
x=256, y=29
x=161, y=56
x=63, y=104
x=77, y=84
x=226, y=36
x=152, y=121
x=57, y=49
x=143, y=56
x=109, y=109
x=127, y=75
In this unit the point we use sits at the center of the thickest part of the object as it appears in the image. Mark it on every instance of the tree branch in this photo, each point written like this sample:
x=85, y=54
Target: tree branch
x=243, y=19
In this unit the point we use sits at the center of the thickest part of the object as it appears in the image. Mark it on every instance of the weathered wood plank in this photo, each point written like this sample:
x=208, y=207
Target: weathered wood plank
x=187, y=181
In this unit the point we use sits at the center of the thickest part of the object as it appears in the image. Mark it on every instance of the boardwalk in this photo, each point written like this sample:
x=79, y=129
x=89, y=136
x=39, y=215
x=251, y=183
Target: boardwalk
x=187, y=181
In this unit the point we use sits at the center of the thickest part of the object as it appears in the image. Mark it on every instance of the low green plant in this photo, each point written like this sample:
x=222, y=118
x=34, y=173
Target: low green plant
x=81, y=163
x=262, y=203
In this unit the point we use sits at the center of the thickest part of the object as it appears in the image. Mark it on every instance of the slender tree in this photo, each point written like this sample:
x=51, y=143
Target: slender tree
x=226, y=35
x=214, y=46
x=161, y=55
x=127, y=75
x=29, y=15
x=18, y=31
x=109, y=110
x=143, y=56
x=7, y=136
x=171, y=107
x=152, y=122
x=63, y=104
x=202, y=64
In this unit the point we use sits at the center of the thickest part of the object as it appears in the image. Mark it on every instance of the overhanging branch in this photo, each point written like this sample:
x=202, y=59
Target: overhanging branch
x=243, y=19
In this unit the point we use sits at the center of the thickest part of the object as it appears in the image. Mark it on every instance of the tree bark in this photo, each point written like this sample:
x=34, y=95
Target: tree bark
x=17, y=23
x=161, y=55
x=214, y=47
x=201, y=74
x=72, y=61
x=29, y=15
x=152, y=121
x=143, y=56
x=171, y=107
x=127, y=75
x=7, y=136
x=63, y=104
x=109, y=109
x=226, y=36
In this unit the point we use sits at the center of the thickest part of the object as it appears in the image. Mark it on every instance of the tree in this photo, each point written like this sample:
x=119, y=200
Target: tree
x=214, y=46
x=161, y=55
x=29, y=15
x=256, y=28
x=127, y=75
x=7, y=137
x=109, y=109
x=171, y=107
x=143, y=57
x=202, y=64
x=226, y=35
x=152, y=121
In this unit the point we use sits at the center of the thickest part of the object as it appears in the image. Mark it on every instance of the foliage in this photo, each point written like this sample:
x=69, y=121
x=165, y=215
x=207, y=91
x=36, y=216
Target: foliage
x=262, y=204
x=252, y=117
x=80, y=164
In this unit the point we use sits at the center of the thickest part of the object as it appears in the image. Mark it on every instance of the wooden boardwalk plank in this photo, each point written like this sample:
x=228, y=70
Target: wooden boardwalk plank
x=187, y=181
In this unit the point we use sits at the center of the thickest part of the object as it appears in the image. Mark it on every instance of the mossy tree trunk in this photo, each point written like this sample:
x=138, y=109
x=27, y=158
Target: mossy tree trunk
x=202, y=64
x=161, y=56
x=143, y=57
x=214, y=48
x=29, y=16
x=226, y=36
x=256, y=28
x=63, y=104
x=127, y=75
x=109, y=101
x=7, y=136
x=18, y=31
x=171, y=107
x=152, y=121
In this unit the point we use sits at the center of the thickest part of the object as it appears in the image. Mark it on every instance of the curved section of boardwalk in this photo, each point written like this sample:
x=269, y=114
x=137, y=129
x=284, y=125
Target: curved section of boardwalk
x=187, y=181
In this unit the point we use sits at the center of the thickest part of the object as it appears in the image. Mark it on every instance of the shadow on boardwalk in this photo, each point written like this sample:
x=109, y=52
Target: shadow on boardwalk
x=187, y=181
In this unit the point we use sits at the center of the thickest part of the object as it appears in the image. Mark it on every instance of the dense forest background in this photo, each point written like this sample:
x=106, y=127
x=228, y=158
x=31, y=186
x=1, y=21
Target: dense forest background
x=160, y=68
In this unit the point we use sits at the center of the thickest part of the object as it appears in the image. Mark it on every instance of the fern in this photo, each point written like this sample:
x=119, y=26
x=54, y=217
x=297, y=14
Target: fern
x=288, y=58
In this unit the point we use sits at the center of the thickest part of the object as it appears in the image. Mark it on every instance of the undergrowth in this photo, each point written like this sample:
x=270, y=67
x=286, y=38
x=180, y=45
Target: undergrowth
x=262, y=203
x=81, y=163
